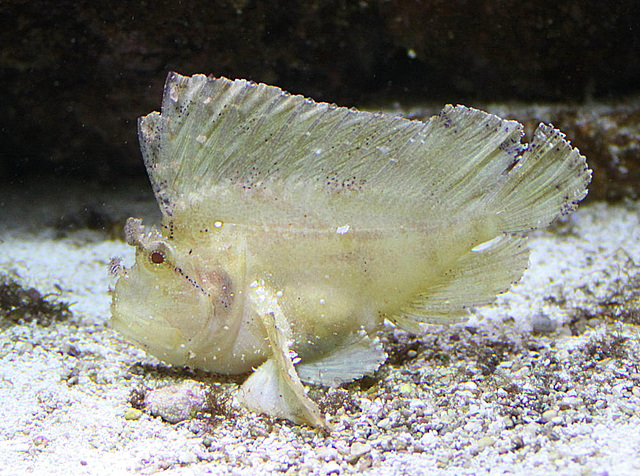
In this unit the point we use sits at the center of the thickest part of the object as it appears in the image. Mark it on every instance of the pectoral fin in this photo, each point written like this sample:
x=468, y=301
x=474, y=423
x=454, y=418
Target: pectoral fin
x=271, y=391
x=274, y=388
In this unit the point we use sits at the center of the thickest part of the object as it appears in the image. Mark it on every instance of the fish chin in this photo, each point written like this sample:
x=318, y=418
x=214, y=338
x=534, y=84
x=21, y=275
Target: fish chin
x=178, y=323
x=145, y=311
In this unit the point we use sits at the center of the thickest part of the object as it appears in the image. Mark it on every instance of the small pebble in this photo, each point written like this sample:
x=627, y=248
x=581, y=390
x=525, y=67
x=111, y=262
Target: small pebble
x=484, y=442
x=548, y=415
x=327, y=454
x=570, y=402
x=626, y=409
x=600, y=403
x=621, y=387
x=358, y=450
x=406, y=389
x=469, y=386
x=187, y=457
x=332, y=467
x=385, y=424
x=542, y=324
x=132, y=414
x=40, y=441
x=175, y=403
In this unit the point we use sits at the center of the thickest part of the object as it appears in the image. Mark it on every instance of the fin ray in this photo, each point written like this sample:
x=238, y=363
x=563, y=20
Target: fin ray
x=474, y=280
x=275, y=388
x=549, y=180
x=358, y=356
x=252, y=154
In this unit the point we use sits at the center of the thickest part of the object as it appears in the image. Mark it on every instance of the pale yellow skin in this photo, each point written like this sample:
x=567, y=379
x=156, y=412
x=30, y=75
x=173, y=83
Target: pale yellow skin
x=292, y=229
x=329, y=284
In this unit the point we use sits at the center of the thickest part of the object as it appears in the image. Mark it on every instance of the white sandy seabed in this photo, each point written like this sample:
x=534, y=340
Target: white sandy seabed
x=544, y=381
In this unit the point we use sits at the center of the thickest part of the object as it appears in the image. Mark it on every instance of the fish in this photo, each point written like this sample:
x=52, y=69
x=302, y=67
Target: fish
x=292, y=229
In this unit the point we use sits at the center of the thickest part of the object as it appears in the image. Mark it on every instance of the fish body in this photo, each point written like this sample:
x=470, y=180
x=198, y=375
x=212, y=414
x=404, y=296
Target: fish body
x=291, y=229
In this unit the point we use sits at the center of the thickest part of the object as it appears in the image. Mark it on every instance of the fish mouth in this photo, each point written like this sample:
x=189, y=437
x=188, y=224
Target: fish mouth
x=138, y=322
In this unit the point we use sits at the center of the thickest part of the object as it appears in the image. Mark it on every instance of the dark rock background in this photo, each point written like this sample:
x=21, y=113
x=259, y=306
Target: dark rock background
x=75, y=75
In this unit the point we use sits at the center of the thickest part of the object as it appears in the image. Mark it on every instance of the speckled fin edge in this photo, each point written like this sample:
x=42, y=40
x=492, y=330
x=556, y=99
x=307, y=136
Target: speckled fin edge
x=222, y=142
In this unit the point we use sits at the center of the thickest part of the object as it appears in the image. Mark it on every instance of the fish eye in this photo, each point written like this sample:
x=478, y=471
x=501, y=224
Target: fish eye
x=158, y=253
x=156, y=257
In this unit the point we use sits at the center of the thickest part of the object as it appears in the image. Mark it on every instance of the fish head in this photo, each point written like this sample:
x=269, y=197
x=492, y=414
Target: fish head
x=173, y=303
